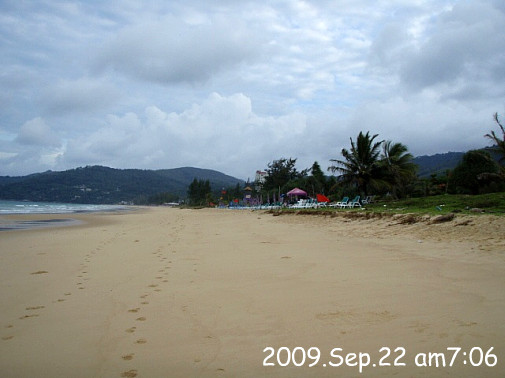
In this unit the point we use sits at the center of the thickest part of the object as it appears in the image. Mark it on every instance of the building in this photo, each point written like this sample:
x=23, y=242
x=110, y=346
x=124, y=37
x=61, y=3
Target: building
x=259, y=180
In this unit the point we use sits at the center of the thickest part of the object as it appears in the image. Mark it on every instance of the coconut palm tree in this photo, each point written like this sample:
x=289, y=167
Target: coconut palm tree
x=500, y=143
x=360, y=165
x=398, y=167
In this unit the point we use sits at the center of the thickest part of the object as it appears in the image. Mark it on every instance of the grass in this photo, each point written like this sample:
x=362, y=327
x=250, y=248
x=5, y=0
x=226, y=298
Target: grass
x=493, y=203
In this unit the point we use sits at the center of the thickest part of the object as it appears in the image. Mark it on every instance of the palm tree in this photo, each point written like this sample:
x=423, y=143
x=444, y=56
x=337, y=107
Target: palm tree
x=360, y=165
x=398, y=167
x=500, y=143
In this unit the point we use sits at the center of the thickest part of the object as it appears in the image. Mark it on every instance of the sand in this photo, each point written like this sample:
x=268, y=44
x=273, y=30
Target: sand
x=201, y=293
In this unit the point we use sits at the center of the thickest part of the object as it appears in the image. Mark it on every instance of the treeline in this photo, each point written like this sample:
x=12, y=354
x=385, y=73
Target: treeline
x=371, y=166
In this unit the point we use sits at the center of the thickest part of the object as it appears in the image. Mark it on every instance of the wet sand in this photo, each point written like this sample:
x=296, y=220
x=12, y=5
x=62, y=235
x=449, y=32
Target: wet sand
x=175, y=293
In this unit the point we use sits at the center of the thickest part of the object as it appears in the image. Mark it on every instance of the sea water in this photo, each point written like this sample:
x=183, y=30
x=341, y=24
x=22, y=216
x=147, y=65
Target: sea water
x=23, y=207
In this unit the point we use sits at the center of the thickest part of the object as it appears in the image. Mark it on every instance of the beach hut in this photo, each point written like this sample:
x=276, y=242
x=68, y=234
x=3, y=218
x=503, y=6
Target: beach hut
x=248, y=195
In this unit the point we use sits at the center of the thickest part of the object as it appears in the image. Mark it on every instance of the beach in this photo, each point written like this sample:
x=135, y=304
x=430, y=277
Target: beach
x=161, y=292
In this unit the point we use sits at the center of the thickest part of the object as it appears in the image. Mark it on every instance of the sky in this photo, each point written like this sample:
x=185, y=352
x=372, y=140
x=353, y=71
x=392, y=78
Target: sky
x=232, y=85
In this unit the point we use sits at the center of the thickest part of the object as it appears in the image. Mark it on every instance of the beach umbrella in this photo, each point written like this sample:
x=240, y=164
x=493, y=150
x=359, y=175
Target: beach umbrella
x=297, y=192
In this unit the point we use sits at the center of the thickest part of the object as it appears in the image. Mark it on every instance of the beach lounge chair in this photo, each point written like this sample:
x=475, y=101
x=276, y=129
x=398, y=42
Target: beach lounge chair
x=354, y=202
x=344, y=203
x=341, y=204
x=367, y=200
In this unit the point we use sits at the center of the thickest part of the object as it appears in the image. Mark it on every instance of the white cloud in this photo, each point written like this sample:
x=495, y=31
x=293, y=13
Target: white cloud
x=36, y=132
x=221, y=132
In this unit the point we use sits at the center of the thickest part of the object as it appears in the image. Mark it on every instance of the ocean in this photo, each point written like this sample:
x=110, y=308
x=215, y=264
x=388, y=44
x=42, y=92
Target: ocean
x=23, y=207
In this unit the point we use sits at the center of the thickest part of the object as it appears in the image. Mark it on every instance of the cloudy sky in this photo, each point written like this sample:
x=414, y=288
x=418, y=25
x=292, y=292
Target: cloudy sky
x=234, y=84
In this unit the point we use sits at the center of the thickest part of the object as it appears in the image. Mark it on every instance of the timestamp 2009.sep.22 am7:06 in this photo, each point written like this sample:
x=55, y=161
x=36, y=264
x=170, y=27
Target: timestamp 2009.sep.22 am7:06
x=299, y=356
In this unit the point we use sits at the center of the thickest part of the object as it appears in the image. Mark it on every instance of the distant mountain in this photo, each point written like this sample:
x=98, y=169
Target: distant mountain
x=103, y=185
x=438, y=163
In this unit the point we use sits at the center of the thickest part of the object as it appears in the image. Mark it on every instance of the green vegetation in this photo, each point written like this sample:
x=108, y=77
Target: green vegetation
x=499, y=142
x=491, y=203
x=199, y=193
x=368, y=170
x=477, y=173
x=387, y=170
x=103, y=185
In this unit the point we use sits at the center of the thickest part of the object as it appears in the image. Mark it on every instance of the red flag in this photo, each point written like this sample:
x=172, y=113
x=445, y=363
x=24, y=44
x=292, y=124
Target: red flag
x=321, y=198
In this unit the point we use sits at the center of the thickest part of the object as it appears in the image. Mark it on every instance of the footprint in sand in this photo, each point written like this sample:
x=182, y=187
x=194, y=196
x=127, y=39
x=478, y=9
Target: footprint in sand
x=40, y=272
x=7, y=338
x=128, y=357
x=144, y=303
x=28, y=316
x=134, y=309
x=144, y=296
x=152, y=285
x=131, y=330
x=141, y=319
x=141, y=341
x=34, y=308
x=129, y=373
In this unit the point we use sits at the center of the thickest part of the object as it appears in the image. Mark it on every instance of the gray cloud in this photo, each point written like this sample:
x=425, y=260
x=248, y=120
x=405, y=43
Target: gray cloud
x=174, y=51
x=77, y=96
x=466, y=42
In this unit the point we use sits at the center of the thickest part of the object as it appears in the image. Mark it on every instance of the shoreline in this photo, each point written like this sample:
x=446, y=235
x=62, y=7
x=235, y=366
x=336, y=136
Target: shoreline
x=177, y=292
x=30, y=221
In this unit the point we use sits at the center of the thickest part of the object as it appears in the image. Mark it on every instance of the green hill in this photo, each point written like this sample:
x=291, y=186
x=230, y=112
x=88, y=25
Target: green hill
x=438, y=163
x=441, y=163
x=103, y=185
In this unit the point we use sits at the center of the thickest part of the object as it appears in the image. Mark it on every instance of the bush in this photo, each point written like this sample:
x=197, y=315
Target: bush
x=465, y=177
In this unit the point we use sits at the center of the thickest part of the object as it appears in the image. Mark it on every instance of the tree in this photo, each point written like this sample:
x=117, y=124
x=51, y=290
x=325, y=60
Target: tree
x=398, y=167
x=500, y=143
x=279, y=173
x=316, y=182
x=199, y=192
x=360, y=166
x=465, y=177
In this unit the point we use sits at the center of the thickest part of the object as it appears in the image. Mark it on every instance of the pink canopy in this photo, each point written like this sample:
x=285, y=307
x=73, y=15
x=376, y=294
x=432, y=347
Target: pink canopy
x=297, y=192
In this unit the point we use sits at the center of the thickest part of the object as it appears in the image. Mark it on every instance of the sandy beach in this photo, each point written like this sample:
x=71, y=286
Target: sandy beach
x=163, y=292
